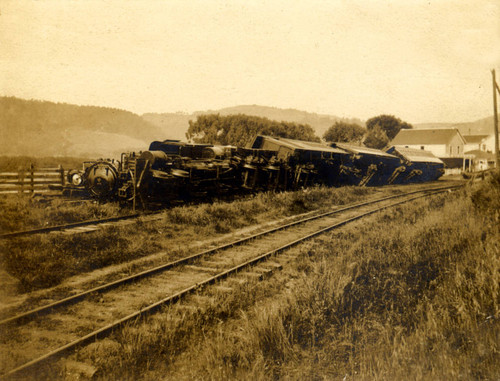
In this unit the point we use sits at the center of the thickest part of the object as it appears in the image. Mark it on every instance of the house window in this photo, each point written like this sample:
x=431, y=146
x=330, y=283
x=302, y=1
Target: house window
x=484, y=147
x=421, y=147
x=451, y=150
x=458, y=150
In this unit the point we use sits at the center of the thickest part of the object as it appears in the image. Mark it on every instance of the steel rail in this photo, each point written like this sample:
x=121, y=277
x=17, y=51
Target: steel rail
x=69, y=226
x=104, y=331
x=49, y=229
x=25, y=316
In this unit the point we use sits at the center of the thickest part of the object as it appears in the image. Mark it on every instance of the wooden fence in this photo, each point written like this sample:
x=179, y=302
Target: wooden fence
x=32, y=180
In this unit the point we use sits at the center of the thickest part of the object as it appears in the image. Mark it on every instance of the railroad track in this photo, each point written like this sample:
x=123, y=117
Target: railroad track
x=86, y=226
x=93, y=224
x=82, y=226
x=55, y=329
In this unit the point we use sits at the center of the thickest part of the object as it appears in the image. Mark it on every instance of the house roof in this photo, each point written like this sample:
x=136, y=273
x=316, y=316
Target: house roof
x=425, y=136
x=415, y=155
x=481, y=154
x=473, y=139
x=492, y=136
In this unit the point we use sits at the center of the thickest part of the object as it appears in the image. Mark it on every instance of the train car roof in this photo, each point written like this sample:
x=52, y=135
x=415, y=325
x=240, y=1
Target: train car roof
x=363, y=150
x=415, y=155
x=296, y=144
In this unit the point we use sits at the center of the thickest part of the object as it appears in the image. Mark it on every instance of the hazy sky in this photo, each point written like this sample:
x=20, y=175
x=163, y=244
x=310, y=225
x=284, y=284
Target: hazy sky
x=423, y=61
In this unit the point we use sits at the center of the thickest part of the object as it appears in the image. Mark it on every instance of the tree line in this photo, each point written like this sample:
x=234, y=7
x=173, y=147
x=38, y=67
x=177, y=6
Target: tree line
x=379, y=131
x=239, y=129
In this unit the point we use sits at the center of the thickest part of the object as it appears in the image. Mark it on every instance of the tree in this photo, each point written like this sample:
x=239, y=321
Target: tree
x=344, y=133
x=388, y=123
x=240, y=129
x=376, y=138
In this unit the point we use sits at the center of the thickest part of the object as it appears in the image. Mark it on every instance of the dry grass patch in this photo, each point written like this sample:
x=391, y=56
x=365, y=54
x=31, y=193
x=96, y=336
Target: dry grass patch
x=23, y=212
x=410, y=294
x=46, y=260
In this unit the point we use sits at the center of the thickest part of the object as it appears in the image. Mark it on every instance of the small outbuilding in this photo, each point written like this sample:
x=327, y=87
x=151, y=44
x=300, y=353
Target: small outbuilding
x=480, y=160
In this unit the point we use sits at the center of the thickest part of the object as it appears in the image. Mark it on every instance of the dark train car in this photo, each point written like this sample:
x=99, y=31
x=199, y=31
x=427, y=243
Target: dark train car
x=260, y=169
x=188, y=170
x=174, y=170
x=305, y=163
x=371, y=166
x=177, y=170
x=420, y=165
x=181, y=149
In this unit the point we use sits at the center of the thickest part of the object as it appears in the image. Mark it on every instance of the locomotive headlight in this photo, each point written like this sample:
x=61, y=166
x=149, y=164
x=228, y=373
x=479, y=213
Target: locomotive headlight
x=76, y=179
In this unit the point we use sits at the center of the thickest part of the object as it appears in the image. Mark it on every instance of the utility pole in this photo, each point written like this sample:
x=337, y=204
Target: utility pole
x=495, y=119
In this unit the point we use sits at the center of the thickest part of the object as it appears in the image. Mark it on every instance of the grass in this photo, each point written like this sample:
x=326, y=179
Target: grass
x=411, y=293
x=224, y=217
x=43, y=261
x=22, y=212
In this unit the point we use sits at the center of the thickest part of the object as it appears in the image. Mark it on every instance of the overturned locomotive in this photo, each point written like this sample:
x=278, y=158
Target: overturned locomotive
x=173, y=170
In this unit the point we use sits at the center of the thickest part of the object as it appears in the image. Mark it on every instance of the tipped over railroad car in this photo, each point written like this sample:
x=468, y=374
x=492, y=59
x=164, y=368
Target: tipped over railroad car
x=174, y=170
x=420, y=165
x=372, y=167
x=308, y=162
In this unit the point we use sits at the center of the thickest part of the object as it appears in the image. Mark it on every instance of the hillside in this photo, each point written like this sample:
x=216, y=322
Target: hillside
x=172, y=125
x=479, y=127
x=40, y=128
x=175, y=125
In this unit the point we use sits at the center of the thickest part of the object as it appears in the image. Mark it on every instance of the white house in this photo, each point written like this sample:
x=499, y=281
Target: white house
x=443, y=142
x=480, y=149
x=489, y=143
x=481, y=160
x=475, y=142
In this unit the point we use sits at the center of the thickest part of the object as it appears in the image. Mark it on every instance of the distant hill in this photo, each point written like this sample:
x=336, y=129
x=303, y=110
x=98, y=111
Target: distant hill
x=40, y=128
x=175, y=125
x=479, y=127
x=172, y=125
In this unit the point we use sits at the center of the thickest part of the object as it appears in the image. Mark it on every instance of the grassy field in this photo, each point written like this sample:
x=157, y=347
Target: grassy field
x=411, y=293
x=23, y=212
x=46, y=260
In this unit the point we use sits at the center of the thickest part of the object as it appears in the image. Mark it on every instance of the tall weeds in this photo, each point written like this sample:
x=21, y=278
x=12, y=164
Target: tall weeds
x=22, y=212
x=44, y=261
x=412, y=294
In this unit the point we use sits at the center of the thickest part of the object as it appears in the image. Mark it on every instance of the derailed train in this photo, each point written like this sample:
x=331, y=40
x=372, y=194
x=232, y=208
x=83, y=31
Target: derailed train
x=174, y=170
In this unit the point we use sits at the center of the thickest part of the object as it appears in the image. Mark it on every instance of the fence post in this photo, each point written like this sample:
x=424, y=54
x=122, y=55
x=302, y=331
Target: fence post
x=32, y=178
x=61, y=172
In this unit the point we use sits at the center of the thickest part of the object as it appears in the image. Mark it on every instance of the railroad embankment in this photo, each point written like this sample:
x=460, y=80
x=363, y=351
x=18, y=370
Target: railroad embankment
x=46, y=260
x=410, y=293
